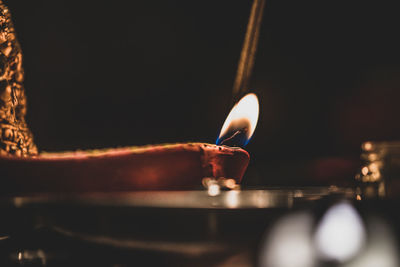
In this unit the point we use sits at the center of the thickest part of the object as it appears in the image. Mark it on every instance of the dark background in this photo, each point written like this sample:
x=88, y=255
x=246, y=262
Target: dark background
x=142, y=72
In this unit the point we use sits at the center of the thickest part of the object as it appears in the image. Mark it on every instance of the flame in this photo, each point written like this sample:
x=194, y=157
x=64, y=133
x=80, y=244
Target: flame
x=242, y=120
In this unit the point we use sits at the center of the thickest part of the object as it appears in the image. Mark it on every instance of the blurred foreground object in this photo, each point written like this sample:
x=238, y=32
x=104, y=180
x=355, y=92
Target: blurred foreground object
x=348, y=234
x=15, y=137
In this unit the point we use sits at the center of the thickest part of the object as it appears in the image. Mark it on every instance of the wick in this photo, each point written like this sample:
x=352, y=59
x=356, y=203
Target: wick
x=227, y=140
x=249, y=49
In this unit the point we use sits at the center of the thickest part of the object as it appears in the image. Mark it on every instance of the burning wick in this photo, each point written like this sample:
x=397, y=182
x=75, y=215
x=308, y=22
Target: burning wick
x=241, y=122
x=234, y=140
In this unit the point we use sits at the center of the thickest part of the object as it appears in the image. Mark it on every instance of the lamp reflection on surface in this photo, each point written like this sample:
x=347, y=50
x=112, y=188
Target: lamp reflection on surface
x=289, y=243
x=214, y=190
x=341, y=233
x=232, y=198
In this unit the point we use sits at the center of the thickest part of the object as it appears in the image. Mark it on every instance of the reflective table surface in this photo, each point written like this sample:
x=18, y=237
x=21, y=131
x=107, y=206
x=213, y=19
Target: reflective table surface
x=188, y=228
x=196, y=199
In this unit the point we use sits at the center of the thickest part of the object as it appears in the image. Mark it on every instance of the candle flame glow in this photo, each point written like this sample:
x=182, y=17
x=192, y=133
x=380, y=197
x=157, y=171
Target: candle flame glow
x=241, y=122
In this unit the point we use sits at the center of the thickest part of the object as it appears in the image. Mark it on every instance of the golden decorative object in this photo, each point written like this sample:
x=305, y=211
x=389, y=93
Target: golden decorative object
x=15, y=136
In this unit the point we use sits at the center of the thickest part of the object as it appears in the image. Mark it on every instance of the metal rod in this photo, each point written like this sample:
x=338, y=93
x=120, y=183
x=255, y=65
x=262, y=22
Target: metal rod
x=249, y=49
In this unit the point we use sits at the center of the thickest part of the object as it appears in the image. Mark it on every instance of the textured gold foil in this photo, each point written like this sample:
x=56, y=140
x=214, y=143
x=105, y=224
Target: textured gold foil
x=15, y=136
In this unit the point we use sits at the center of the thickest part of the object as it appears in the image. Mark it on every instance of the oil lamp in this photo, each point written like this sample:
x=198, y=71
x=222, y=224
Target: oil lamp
x=165, y=166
